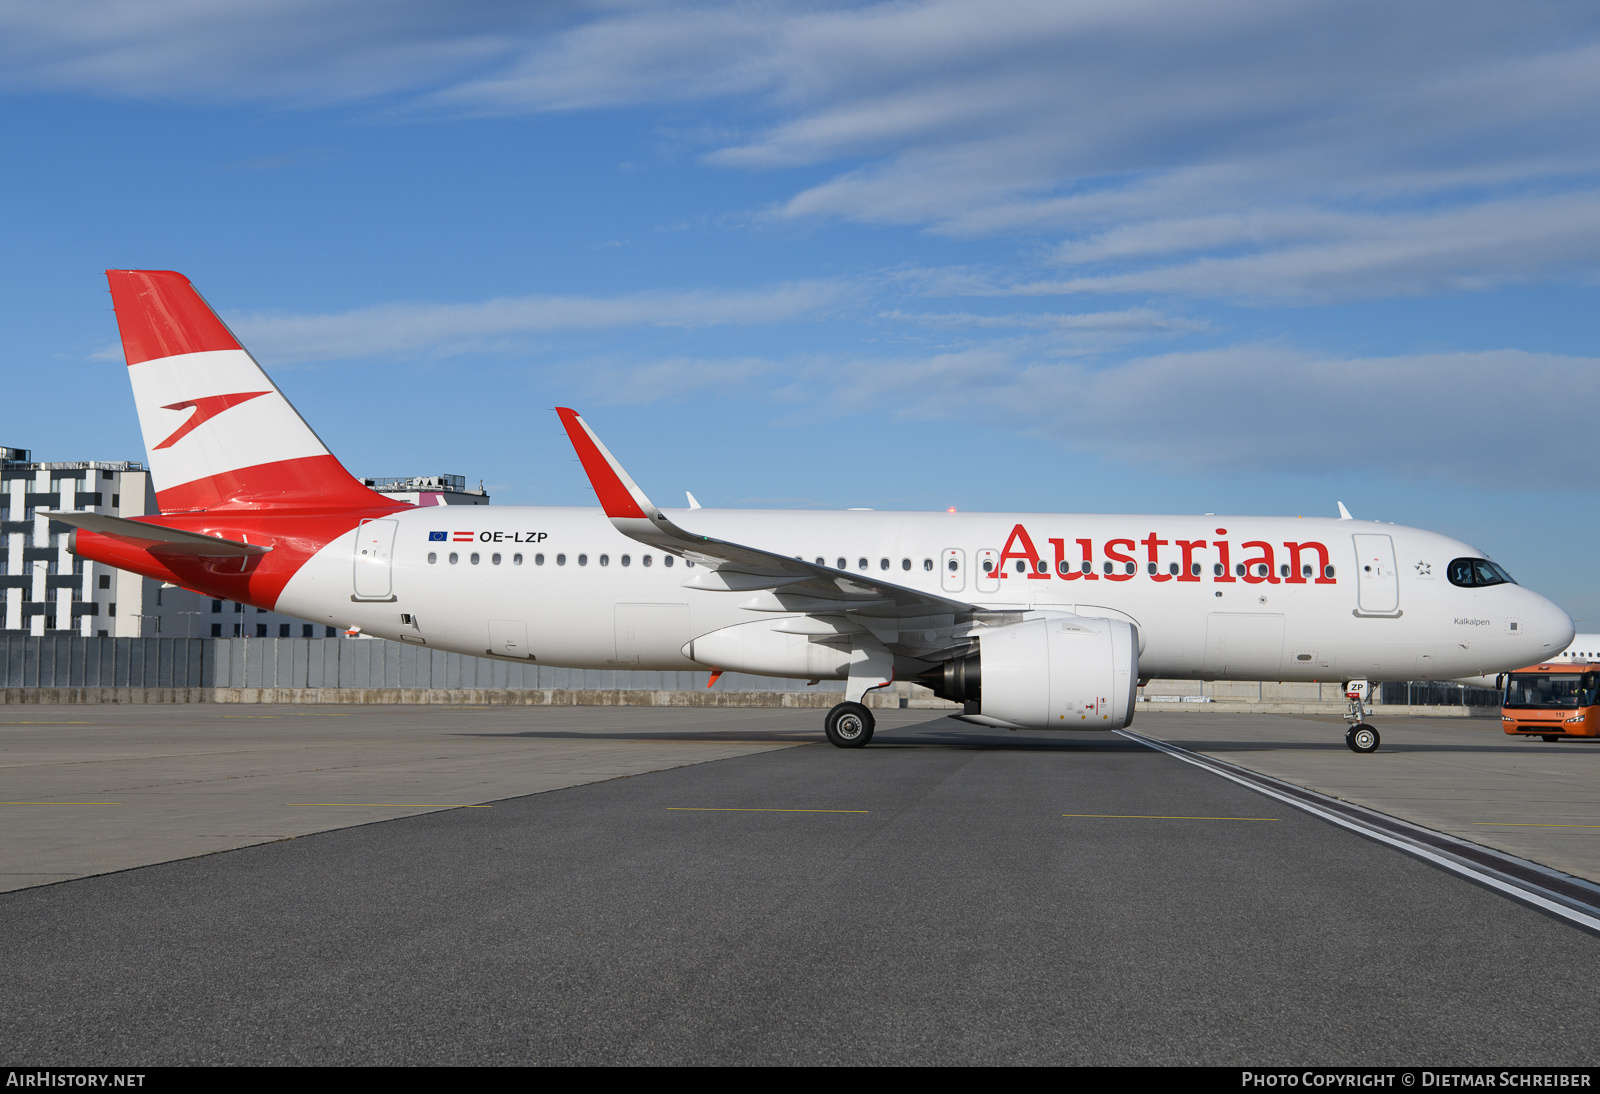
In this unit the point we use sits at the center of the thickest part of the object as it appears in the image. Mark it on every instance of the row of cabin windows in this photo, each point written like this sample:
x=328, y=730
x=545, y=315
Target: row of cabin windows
x=1259, y=569
x=561, y=559
x=883, y=564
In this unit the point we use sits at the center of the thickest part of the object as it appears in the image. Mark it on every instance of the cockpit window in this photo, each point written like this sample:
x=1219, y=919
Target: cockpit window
x=1471, y=573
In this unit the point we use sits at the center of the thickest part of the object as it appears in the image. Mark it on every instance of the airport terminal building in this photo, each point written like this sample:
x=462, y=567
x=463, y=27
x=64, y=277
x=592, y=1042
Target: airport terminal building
x=46, y=590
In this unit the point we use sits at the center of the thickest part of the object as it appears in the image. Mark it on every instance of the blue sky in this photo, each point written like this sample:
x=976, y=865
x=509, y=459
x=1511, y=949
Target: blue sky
x=1113, y=257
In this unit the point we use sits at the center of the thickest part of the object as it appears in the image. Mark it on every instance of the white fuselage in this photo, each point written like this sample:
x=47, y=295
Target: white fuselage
x=1380, y=607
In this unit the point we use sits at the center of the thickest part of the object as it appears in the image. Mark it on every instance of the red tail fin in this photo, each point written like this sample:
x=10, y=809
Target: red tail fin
x=219, y=433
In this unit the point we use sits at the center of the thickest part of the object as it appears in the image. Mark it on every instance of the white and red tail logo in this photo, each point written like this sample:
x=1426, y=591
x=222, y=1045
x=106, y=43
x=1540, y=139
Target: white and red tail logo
x=219, y=433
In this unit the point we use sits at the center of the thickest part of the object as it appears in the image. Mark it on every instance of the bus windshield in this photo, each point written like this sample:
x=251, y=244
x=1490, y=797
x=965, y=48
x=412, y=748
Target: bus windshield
x=1547, y=690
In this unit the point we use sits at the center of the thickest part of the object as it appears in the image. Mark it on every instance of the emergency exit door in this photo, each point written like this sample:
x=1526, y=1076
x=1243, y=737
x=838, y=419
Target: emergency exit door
x=1377, y=577
x=374, y=560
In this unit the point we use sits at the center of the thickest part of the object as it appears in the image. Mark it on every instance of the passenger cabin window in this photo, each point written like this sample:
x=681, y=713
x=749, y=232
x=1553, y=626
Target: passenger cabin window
x=1473, y=573
x=646, y=560
x=516, y=560
x=583, y=560
x=862, y=563
x=495, y=558
x=561, y=560
x=841, y=565
x=927, y=564
x=666, y=560
x=905, y=564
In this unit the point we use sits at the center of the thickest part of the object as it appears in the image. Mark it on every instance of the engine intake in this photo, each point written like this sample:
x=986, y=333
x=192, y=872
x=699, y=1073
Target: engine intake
x=1059, y=671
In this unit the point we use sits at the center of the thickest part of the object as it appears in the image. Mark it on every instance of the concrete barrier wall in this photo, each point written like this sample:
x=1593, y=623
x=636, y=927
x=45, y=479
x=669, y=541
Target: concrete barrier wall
x=341, y=670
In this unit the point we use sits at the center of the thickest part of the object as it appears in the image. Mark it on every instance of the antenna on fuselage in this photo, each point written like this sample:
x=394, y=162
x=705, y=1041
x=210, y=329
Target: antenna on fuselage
x=1344, y=514
x=692, y=503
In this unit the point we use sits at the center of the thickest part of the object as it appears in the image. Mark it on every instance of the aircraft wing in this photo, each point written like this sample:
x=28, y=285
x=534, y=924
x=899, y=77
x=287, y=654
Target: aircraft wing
x=911, y=621
x=158, y=540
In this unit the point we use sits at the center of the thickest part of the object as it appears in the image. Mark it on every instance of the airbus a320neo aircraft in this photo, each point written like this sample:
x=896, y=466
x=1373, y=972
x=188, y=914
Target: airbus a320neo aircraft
x=1031, y=621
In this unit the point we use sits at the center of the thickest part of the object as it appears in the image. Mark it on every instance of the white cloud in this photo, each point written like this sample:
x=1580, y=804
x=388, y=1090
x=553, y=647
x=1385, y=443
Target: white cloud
x=1243, y=147
x=427, y=329
x=1486, y=419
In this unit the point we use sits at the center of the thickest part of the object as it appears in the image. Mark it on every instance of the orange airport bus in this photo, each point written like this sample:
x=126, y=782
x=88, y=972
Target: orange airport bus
x=1552, y=701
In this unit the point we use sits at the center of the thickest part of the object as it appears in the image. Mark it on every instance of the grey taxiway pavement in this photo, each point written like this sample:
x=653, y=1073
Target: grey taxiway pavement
x=947, y=895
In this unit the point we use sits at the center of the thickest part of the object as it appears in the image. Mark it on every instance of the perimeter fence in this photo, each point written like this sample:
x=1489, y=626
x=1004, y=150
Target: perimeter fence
x=67, y=662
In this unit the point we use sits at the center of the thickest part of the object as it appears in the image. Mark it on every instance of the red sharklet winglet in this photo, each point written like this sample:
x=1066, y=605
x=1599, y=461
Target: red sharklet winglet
x=161, y=315
x=619, y=495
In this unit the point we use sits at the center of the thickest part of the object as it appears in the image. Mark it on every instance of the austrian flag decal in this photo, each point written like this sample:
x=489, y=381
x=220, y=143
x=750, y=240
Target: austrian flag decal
x=461, y=537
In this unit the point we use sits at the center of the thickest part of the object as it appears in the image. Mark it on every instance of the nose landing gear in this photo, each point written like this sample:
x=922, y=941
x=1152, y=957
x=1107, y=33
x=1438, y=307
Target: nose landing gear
x=1361, y=737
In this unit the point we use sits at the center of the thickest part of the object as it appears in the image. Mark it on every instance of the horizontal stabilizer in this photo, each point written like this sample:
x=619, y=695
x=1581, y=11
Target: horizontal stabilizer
x=158, y=540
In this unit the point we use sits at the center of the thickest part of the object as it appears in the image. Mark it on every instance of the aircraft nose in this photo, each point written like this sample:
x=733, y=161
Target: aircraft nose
x=1548, y=625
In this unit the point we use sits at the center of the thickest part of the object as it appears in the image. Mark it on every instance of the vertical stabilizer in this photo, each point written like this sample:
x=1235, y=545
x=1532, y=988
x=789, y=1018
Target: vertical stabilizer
x=219, y=433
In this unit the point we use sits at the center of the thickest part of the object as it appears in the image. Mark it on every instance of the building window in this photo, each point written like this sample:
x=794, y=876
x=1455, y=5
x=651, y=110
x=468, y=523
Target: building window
x=216, y=630
x=238, y=607
x=236, y=629
x=159, y=591
x=116, y=501
x=305, y=630
x=332, y=632
x=105, y=581
x=283, y=630
x=216, y=607
x=111, y=608
x=261, y=629
x=261, y=611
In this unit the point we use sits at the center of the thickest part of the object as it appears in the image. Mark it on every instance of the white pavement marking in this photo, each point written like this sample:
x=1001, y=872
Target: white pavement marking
x=1524, y=892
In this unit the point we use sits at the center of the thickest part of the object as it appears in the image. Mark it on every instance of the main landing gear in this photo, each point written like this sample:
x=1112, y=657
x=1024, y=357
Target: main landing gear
x=849, y=725
x=1360, y=736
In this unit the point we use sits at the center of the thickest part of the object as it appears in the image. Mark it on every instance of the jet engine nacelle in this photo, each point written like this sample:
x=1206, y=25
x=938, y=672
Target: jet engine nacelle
x=1055, y=672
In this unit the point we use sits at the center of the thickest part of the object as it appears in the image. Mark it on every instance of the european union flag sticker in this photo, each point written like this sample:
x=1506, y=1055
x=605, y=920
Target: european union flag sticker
x=437, y=537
